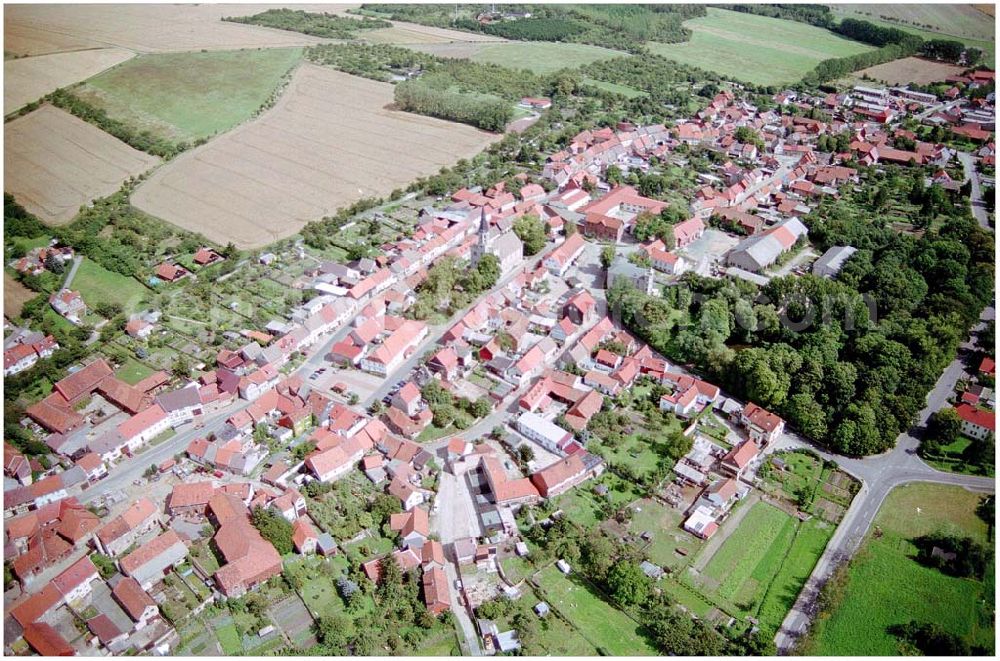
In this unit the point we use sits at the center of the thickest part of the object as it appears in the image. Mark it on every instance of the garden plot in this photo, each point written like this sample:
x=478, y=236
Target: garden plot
x=328, y=142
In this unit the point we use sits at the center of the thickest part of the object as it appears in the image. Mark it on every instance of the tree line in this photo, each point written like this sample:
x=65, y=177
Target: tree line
x=819, y=15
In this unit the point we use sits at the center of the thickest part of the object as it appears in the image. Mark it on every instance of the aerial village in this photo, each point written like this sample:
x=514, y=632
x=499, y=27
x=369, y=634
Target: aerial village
x=121, y=528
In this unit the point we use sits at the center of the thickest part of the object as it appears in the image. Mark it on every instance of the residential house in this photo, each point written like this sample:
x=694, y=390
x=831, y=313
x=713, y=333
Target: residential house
x=149, y=563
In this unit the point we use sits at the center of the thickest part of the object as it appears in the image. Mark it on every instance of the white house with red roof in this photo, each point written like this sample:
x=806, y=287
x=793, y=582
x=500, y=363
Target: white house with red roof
x=976, y=422
x=763, y=426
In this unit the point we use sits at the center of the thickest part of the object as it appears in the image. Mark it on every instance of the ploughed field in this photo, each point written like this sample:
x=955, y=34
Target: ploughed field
x=910, y=70
x=55, y=163
x=30, y=78
x=329, y=141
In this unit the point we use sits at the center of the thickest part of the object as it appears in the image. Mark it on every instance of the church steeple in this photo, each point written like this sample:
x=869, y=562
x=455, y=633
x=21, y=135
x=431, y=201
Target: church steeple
x=484, y=225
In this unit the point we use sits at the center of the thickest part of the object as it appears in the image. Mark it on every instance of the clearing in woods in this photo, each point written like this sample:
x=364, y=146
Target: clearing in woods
x=886, y=585
x=30, y=78
x=411, y=33
x=186, y=96
x=329, y=141
x=36, y=29
x=90, y=162
x=542, y=57
x=757, y=49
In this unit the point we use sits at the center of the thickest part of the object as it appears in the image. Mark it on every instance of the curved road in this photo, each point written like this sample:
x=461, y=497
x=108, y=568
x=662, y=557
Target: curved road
x=878, y=475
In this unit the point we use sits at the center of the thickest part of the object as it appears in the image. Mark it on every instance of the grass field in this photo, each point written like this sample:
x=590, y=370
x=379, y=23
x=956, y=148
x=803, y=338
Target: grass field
x=665, y=525
x=185, y=96
x=99, y=285
x=229, y=638
x=757, y=49
x=624, y=90
x=542, y=57
x=969, y=25
x=887, y=586
x=604, y=625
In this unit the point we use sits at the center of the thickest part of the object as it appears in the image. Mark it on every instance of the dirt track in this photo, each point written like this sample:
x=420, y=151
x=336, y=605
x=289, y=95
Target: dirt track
x=328, y=142
x=54, y=163
x=30, y=78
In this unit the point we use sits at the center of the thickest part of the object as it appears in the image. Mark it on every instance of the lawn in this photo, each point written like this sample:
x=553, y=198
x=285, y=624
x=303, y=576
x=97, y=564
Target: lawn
x=98, y=285
x=543, y=57
x=756, y=49
x=555, y=636
x=186, y=96
x=886, y=586
x=583, y=506
x=132, y=372
x=609, y=629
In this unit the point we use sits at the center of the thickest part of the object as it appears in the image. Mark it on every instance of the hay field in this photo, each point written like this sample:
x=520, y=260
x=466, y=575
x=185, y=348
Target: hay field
x=952, y=19
x=756, y=49
x=30, y=78
x=54, y=163
x=910, y=70
x=329, y=141
x=38, y=29
x=402, y=33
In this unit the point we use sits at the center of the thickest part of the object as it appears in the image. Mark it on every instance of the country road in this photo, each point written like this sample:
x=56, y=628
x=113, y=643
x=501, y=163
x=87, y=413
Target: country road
x=976, y=197
x=879, y=475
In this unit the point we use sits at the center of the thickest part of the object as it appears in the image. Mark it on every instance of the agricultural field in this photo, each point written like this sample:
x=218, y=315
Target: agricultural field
x=38, y=29
x=610, y=630
x=15, y=295
x=186, y=96
x=949, y=19
x=885, y=585
x=264, y=180
x=412, y=34
x=971, y=26
x=92, y=164
x=30, y=78
x=624, y=90
x=757, y=49
x=909, y=70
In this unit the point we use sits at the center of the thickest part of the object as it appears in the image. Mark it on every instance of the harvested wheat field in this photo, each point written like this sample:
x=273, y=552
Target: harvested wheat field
x=30, y=78
x=54, y=163
x=910, y=70
x=37, y=29
x=329, y=141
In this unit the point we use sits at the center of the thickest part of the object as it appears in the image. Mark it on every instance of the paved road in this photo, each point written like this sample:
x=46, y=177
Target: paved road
x=976, y=198
x=879, y=475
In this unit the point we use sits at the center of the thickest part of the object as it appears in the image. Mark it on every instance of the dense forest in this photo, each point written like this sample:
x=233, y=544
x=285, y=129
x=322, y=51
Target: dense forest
x=486, y=112
x=330, y=26
x=622, y=27
x=847, y=362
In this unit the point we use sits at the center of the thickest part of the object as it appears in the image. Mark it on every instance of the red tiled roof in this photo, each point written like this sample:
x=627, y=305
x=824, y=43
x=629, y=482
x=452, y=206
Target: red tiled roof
x=132, y=597
x=44, y=639
x=977, y=416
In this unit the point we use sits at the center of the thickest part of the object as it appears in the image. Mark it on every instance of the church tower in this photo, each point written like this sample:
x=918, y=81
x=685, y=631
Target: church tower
x=483, y=245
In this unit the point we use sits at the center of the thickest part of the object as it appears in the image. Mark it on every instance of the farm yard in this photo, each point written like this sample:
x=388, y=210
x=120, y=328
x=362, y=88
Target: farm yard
x=909, y=70
x=39, y=29
x=266, y=179
x=186, y=96
x=92, y=164
x=886, y=585
x=757, y=49
x=29, y=79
